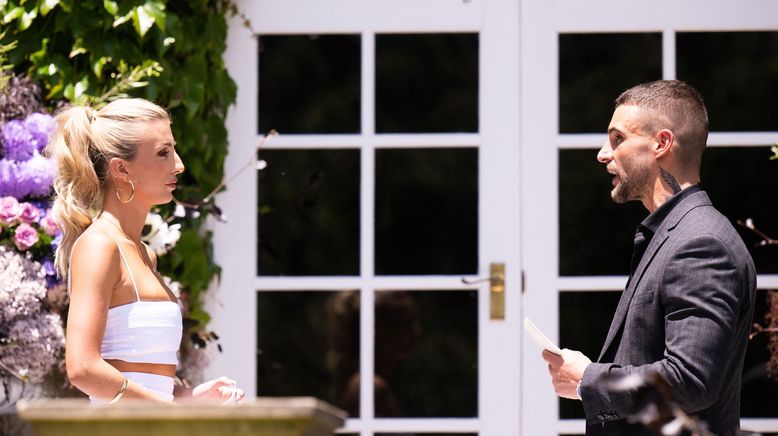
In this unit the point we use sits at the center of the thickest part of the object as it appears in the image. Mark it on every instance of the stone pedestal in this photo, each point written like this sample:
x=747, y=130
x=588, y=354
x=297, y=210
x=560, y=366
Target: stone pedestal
x=261, y=417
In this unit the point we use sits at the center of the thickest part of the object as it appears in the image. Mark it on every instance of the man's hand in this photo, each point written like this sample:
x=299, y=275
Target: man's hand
x=566, y=371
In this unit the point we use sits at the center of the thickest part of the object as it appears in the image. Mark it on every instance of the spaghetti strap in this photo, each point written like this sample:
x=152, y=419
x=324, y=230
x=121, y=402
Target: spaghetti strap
x=121, y=254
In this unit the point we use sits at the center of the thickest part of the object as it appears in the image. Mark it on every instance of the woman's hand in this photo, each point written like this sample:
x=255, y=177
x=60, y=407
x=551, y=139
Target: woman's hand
x=221, y=389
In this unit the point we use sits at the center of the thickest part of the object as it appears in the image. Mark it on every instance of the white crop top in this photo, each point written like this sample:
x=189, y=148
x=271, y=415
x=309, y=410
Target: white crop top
x=142, y=331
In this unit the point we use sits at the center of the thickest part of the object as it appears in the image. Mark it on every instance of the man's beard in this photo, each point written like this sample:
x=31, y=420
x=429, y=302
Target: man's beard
x=634, y=178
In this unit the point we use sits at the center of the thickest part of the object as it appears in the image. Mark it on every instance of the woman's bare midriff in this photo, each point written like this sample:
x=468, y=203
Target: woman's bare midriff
x=148, y=368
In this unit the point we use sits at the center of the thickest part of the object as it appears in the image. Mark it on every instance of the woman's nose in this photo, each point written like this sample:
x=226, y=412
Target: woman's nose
x=179, y=168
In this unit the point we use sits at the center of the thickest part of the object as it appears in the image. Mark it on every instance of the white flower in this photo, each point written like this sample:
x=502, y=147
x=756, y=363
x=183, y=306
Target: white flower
x=161, y=237
x=180, y=211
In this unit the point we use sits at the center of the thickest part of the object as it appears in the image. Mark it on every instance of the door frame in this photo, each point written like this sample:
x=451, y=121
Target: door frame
x=233, y=302
x=541, y=23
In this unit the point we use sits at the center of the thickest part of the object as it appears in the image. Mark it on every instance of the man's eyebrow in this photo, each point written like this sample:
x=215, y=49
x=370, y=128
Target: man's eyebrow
x=615, y=129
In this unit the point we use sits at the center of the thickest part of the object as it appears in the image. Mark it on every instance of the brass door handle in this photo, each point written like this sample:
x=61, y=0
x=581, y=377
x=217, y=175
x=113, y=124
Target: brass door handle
x=496, y=281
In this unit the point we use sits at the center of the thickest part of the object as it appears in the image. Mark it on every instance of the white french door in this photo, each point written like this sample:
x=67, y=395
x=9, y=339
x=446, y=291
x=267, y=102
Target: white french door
x=406, y=190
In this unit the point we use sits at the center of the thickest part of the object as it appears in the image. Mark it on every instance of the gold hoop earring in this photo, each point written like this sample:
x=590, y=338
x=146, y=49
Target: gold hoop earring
x=132, y=194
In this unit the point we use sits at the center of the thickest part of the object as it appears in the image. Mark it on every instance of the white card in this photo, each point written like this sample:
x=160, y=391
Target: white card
x=540, y=338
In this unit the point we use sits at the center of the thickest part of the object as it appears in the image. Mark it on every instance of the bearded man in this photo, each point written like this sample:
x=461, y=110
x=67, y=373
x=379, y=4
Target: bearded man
x=686, y=312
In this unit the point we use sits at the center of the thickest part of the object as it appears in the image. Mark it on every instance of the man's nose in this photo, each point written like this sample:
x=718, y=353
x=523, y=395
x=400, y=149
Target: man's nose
x=605, y=155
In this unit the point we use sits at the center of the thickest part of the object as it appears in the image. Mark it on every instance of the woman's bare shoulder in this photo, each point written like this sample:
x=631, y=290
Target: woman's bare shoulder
x=95, y=252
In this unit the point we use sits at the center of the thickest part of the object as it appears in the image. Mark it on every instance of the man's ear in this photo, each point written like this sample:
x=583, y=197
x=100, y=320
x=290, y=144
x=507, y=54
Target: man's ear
x=665, y=141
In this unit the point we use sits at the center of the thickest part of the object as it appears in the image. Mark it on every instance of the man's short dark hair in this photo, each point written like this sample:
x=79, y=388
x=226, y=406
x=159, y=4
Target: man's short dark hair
x=676, y=106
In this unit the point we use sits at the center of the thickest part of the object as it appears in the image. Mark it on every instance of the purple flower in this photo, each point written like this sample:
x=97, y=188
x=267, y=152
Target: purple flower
x=9, y=210
x=48, y=224
x=17, y=141
x=48, y=268
x=36, y=175
x=56, y=241
x=29, y=213
x=25, y=236
x=10, y=180
x=40, y=126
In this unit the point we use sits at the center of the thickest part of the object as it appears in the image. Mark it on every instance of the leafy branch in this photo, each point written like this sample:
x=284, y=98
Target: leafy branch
x=5, y=48
x=126, y=81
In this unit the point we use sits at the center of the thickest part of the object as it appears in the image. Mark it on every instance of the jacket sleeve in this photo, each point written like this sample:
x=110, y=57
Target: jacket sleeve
x=700, y=292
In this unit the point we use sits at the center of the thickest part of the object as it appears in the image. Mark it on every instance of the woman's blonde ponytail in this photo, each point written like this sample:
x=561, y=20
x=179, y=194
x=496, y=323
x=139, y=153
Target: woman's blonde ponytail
x=76, y=185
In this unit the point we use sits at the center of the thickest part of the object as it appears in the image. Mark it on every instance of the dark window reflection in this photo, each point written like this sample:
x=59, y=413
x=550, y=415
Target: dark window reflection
x=736, y=73
x=308, y=209
x=595, y=233
x=426, y=83
x=593, y=309
x=307, y=344
x=426, y=354
x=309, y=83
x=595, y=68
x=741, y=182
x=759, y=389
x=426, y=211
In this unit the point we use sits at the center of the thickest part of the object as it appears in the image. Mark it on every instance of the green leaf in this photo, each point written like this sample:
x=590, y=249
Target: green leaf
x=97, y=66
x=111, y=7
x=200, y=316
x=78, y=48
x=70, y=92
x=141, y=20
x=27, y=18
x=156, y=10
x=81, y=86
x=13, y=14
x=37, y=57
x=118, y=21
x=47, y=5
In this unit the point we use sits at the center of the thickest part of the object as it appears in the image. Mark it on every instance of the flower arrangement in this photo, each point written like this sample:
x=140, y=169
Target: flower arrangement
x=31, y=298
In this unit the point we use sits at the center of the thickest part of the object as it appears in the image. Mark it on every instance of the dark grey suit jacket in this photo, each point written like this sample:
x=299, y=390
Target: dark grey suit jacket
x=686, y=315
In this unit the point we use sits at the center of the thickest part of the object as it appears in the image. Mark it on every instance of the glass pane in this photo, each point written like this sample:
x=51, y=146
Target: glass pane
x=595, y=233
x=309, y=83
x=308, y=212
x=741, y=183
x=590, y=222
x=426, y=354
x=595, y=310
x=595, y=68
x=760, y=389
x=426, y=83
x=426, y=208
x=308, y=344
x=737, y=75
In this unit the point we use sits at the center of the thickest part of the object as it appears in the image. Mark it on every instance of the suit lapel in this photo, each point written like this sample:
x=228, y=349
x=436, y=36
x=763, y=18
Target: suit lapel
x=626, y=297
x=663, y=233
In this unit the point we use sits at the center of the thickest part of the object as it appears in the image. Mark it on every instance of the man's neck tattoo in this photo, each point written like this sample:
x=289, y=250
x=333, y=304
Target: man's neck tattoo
x=670, y=180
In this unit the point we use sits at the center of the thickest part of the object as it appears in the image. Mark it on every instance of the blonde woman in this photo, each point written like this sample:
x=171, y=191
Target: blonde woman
x=124, y=325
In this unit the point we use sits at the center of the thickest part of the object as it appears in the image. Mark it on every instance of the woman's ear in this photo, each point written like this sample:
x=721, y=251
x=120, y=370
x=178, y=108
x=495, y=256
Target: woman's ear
x=665, y=141
x=117, y=168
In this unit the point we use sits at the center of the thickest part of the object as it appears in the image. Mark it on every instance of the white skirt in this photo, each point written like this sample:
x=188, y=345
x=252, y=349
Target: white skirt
x=158, y=384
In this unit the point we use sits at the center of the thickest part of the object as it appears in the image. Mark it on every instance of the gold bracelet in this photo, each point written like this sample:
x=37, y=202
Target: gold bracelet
x=121, y=391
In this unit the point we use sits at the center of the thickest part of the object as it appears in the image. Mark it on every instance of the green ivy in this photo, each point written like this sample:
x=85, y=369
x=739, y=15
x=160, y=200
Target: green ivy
x=167, y=51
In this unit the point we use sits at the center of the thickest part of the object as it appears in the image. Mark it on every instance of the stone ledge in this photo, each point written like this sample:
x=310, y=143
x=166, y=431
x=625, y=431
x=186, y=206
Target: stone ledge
x=302, y=416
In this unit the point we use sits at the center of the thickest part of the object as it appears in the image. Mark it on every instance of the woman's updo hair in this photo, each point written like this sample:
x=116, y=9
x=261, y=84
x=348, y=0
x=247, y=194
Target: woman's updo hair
x=84, y=142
